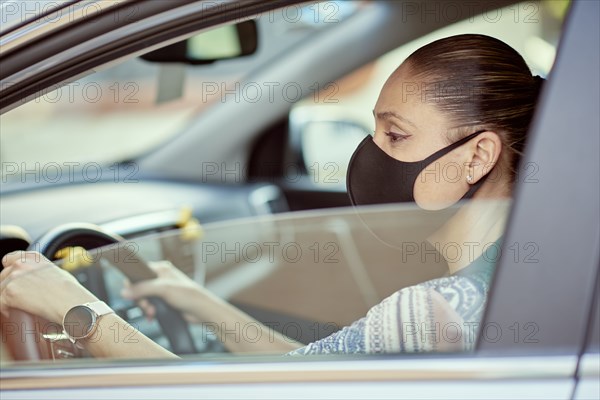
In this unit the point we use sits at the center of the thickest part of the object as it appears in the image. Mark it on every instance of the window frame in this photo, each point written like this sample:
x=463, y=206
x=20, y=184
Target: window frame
x=511, y=286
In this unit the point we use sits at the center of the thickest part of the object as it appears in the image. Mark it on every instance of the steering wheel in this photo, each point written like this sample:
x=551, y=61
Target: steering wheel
x=90, y=236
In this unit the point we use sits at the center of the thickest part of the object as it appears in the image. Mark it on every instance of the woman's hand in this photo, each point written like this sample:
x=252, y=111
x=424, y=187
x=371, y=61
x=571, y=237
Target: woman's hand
x=172, y=285
x=30, y=282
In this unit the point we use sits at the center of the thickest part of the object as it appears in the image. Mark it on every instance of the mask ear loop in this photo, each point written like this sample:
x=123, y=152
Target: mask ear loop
x=448, y=149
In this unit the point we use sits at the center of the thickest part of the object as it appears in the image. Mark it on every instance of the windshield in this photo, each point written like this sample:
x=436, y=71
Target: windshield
x=123, y=112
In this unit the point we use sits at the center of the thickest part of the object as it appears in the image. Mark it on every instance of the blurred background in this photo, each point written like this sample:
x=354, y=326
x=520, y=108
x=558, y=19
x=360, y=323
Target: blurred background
x=125, y=110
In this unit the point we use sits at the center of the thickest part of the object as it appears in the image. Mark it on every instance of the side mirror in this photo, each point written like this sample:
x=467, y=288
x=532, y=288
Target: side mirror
x=225, y=42
x=322, y=141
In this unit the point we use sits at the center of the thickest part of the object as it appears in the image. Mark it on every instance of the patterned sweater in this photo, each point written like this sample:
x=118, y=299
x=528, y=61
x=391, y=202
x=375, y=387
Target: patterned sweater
x=442, y=314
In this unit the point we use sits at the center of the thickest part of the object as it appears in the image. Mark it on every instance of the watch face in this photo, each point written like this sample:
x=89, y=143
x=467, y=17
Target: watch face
x=79, y=322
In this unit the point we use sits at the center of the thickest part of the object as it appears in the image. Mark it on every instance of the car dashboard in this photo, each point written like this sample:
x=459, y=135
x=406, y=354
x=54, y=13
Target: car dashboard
x=131, y=209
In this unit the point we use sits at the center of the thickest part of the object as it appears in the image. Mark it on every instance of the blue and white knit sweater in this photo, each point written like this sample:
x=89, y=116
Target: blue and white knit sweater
x=438, y=315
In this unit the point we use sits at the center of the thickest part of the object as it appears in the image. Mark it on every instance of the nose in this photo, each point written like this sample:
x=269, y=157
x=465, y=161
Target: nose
x=379, y=139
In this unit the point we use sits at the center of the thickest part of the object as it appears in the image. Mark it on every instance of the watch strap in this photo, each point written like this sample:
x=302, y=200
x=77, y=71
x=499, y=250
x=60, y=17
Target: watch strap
x=99, y=307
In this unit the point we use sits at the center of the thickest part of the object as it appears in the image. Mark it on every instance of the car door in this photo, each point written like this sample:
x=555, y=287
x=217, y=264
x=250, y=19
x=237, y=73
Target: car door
x=539, y=313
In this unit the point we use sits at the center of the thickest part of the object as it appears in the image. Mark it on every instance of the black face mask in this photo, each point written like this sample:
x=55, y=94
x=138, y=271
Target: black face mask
x=374, y=177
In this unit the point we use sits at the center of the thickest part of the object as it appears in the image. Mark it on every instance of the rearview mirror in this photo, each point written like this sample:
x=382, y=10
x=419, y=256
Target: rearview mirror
x=224, y=42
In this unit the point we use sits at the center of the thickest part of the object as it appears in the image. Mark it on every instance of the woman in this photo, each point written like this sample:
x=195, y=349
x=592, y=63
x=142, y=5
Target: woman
x=465, y=101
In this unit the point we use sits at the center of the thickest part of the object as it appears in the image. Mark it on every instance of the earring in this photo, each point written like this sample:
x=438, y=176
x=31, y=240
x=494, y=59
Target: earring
x=469, y=178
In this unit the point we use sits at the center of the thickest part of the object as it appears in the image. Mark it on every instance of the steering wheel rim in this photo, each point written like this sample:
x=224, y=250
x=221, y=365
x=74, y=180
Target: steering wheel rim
x=90, y=236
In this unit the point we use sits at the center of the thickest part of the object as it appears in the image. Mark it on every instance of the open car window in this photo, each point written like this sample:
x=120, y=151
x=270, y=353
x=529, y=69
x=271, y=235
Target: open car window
x=152, y=101
x=328, y=125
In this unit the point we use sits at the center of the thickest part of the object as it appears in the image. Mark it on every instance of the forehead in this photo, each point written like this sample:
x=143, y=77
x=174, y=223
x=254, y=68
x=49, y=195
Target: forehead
x=404, y=95
x=400, y=89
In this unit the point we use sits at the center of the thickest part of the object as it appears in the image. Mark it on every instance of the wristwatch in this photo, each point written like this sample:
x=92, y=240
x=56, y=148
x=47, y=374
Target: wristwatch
x=81, y=321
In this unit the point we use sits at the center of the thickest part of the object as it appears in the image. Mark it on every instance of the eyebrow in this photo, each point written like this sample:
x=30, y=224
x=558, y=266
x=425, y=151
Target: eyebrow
x=392, y=114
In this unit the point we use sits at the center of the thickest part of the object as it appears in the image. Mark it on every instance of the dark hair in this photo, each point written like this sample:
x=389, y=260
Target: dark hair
x=480, y=82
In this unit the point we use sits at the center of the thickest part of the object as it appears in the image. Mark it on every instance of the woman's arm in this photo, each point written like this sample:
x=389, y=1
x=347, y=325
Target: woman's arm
x=31, y=283
x=238, y=331
x=118, y=339
x=29, y=280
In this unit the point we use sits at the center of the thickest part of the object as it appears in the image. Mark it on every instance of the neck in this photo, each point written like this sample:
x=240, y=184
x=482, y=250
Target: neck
x=471, y=230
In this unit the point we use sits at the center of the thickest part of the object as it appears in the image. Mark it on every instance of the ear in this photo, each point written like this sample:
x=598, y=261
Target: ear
x=482, y=156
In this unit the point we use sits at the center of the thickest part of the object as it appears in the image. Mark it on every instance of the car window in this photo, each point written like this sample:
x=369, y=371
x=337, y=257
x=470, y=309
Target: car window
x=92, y=115
x=309, y=276
x=329, y=124
x=120, y=112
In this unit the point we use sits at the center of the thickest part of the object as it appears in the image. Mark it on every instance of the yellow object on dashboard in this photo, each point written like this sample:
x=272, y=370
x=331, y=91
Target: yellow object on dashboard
x=74, y=258
x=190, y=226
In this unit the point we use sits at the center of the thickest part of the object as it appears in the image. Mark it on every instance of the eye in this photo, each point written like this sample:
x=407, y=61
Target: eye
x=396, y=137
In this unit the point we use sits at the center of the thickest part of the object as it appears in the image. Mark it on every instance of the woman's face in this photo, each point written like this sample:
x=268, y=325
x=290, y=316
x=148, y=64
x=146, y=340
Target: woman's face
x=409, y=127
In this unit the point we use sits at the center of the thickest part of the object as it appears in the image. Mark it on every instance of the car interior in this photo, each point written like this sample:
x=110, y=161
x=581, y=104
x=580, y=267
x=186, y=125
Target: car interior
x=206, y=159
